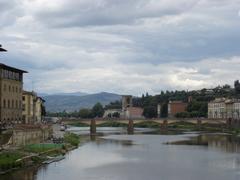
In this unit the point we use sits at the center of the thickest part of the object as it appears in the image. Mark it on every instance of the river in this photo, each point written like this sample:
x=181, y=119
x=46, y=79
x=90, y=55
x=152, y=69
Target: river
x=118, y=156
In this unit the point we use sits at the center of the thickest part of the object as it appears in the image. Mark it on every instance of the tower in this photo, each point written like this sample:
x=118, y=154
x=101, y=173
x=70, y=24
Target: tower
x=126, y=102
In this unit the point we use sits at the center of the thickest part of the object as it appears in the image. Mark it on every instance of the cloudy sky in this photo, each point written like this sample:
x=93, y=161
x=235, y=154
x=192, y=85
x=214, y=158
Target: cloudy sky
x=122, y=46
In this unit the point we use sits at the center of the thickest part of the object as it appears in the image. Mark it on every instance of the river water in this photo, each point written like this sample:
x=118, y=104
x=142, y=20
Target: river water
x=144, y=157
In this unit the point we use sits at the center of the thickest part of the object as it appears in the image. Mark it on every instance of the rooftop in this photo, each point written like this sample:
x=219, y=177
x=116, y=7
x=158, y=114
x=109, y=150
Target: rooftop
x=225, y=100
x=12, y=68
x=1, y=49
x=29, y=93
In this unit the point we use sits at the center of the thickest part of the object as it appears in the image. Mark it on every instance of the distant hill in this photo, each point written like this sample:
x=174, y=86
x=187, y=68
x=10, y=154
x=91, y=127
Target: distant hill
x=64, y=94
x=59, y=102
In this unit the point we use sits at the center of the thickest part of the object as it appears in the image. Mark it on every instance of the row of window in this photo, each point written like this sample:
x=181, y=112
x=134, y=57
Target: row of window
x=11, y=75
x=17, y=119
x=13, y=89
x=12, y=104
x=216, y=105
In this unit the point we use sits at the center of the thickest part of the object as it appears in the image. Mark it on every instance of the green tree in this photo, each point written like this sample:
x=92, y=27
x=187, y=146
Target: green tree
x=97, y=110
x=116, y=115
x=43, y=109
x=85, y=113
x=182, y=115
x=150, y=112
x=237, y=86
x=164, y=110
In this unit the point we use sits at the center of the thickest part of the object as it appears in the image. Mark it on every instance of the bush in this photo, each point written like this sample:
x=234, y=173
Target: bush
x=147, y=124
x=182, y=115
x=72, y=139
x=8, y=160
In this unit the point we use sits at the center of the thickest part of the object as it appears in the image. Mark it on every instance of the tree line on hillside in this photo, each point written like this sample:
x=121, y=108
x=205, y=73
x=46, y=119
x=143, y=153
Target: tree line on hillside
x=198, y=107
x=96, y=111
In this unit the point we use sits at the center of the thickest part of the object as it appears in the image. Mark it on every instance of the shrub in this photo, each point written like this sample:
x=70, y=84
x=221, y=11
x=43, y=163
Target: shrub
x=72, y=139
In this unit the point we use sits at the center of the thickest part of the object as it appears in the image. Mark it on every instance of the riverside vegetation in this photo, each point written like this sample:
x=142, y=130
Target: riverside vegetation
x=180, y=126
x=198, y=107
x=35, y=154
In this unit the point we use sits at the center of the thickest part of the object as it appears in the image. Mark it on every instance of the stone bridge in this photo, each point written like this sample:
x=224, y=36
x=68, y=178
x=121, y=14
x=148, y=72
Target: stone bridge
x=163, y=122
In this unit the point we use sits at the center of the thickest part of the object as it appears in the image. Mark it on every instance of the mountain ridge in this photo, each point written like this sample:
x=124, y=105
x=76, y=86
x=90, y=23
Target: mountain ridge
x=70, y=103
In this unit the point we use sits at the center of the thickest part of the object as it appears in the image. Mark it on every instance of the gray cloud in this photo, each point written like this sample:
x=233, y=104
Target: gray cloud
x=107, y=12
x=122, y=46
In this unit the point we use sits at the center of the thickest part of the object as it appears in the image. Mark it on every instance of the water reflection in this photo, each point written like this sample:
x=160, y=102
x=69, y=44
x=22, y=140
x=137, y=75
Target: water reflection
x=141, y=157
x=223, y=142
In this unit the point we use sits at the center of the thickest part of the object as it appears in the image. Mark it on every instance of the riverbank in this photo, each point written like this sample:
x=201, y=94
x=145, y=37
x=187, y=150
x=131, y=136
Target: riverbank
x=36, y=154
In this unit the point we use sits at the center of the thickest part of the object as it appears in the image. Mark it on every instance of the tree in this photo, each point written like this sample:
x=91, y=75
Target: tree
x=164, y=110
x=237, y=86
x=150, y=112
x=182, y=115
x=97, y=110
x=43, y=109
x=116, y=115
x=197, y=108
x=114, y=105
x=85, y=113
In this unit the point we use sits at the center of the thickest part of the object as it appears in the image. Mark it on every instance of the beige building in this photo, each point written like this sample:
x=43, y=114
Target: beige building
x=32, y=108
x=222, y=108
x=11, y=83
x=39, y=109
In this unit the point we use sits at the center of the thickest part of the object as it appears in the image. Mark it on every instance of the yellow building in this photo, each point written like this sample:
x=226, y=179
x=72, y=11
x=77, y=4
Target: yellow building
x=222, y=108
x=39, y=109
x=32, y=108
x=28, y=101
x=11, y=83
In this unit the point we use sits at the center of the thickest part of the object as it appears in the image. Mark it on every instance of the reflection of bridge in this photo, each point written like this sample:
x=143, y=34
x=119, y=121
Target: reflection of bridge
x=162, y=122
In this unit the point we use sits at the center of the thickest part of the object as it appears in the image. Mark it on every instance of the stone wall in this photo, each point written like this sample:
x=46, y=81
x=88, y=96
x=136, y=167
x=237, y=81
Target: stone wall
x=30, y=134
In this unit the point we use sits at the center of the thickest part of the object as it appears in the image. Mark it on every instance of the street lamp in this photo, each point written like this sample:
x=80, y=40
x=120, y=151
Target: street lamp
x=1, y=49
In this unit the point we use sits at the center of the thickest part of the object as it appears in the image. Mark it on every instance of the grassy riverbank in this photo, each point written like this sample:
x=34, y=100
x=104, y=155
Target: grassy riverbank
x=40, y=148
x=35, y=154
x=8, y=160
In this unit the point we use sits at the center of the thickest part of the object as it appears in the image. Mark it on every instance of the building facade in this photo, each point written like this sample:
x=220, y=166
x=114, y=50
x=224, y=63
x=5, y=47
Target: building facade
x=134, y=113
x=11, y=83
x=32, y=108
x=175, y=107
x=222, y=108
x=127, y=111
x=39, y=109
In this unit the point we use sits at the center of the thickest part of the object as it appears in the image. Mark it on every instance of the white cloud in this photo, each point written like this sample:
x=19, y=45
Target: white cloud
x=121, y=46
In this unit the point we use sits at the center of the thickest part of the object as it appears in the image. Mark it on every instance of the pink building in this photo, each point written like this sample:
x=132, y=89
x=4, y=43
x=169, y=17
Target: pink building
x=134, y=113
